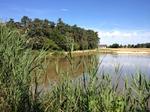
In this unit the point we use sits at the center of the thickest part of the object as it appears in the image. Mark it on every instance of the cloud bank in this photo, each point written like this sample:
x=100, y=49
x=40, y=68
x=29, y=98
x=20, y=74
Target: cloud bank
x=124, y=37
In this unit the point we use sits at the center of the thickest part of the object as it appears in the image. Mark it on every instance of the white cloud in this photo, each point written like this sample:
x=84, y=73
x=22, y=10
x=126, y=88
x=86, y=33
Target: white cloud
x=124, y=37
x=64, y=10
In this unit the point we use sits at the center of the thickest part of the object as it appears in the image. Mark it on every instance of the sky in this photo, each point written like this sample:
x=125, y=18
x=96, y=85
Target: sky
x=116, y=21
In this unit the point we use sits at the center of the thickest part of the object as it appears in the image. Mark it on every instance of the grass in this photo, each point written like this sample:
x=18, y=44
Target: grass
x=127, y=50
x=18, y=66
x=21, y=69
x=99, y=94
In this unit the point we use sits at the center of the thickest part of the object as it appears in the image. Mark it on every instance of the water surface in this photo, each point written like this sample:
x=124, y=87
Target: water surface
x=123, y=64
x=128, y=64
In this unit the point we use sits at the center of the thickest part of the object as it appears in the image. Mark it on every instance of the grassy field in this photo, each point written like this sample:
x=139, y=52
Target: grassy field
x=145, y=51
x=129, y=50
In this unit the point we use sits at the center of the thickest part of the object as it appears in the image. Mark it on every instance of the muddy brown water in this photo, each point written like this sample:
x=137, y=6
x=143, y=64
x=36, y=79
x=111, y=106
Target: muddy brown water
x=112, y=64
x=124, y=64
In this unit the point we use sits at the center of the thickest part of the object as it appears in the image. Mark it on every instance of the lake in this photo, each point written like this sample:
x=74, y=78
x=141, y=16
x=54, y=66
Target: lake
x=124, y=64
x=128, y=64
x=112, y=64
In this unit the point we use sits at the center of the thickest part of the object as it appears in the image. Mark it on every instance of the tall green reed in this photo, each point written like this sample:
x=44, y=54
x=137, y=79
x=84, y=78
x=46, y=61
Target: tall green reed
x=95, y=92
x=21, y=69
x=17, y=67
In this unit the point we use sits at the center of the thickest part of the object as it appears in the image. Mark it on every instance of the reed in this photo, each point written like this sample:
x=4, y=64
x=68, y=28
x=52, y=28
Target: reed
x=17, y=69
x=99, y=93
x=21, y=69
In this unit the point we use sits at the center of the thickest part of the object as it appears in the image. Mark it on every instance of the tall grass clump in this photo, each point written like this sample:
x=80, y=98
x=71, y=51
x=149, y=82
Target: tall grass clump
x=20, y=70
x=18, y=66
x=95, y=92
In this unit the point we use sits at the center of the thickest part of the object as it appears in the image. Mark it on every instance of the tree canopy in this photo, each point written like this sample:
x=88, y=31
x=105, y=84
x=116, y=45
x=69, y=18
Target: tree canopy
x=56, y=36
x=115, y=45
x=142, y=45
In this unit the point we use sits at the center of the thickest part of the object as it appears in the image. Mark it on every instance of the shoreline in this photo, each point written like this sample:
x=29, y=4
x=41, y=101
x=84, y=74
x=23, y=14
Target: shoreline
x=130, y=50
x=141, y=51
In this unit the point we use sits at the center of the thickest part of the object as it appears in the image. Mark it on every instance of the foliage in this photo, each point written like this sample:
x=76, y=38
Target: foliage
x=115, y=45
x=59, y=32
x=20, y=70
x=142, y=45
x=16, y=73
x=101, y=93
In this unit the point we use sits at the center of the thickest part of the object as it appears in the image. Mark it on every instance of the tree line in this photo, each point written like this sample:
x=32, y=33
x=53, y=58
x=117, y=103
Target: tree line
x=54, y=36
x=142, y=45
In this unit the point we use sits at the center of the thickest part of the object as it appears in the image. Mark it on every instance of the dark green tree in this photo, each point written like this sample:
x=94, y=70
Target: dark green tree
x=25, y=21
x=50, y=35
x=115, y=45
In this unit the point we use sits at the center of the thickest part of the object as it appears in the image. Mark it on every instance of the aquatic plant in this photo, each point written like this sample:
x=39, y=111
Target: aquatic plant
x=18, y=73
x=21, y=68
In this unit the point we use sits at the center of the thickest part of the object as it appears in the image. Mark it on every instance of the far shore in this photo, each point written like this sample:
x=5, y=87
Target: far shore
x=145, y=51
x=130, y=50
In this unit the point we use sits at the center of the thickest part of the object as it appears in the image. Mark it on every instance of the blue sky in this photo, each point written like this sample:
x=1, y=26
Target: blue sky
x=121, y=21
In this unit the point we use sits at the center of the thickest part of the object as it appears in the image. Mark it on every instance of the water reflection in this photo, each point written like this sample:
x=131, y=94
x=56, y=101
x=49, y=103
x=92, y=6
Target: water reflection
x=128, y=64
x=75, y=66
